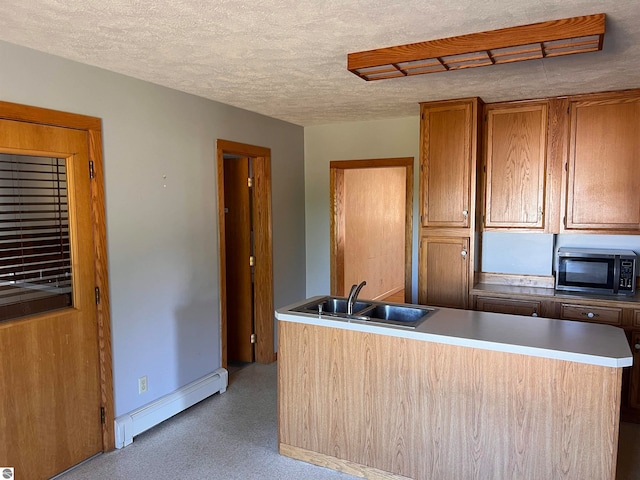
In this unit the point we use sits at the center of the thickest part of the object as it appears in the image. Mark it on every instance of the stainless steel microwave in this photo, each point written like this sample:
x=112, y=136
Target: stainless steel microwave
x=600, y=271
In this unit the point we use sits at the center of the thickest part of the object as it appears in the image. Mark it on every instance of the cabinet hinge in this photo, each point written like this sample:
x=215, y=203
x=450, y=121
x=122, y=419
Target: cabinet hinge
x=252, y=261
x=102, y=415
x=250, y=182
x=566, y=167
x=485, y=117
x=92, y=173
x=254, y=338
x=97, y=292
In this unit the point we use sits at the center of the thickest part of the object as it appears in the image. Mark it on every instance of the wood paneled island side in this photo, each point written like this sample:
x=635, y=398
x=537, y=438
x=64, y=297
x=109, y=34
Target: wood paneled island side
x=465, y=395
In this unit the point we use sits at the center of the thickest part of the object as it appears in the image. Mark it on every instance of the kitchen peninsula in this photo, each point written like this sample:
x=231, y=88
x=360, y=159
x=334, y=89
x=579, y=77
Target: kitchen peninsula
x=466, y=394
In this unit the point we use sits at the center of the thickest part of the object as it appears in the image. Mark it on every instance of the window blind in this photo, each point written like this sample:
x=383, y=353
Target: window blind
x=35, y=260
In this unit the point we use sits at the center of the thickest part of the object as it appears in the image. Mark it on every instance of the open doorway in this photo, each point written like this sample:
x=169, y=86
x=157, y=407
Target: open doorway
x=246, y=260
x=371, y=227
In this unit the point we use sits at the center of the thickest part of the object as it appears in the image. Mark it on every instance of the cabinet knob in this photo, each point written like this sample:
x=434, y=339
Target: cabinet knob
x=637, y=346
x=590, y=314
x=463, y=253
x=534, y=314
x=465, y=213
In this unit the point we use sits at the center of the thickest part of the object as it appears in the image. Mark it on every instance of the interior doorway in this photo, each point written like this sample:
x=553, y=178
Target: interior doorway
x=246, y=259
x=371, y=227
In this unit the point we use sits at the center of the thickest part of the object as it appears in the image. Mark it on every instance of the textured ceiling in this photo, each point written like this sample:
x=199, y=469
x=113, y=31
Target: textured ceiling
x=287, y=58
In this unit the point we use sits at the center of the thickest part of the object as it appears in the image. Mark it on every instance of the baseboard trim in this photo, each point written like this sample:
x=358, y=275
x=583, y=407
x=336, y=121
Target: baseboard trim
x=337, y=464
x=134, y=423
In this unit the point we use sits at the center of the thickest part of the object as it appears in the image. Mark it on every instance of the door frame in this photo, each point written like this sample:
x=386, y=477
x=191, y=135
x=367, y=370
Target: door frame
x=336, y=181
x=93, y=127
x=263, y=248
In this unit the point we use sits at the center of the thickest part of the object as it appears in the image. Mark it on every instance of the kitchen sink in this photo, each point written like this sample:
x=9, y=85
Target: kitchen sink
x=329, y=305
x=385, y=314
x=397, y=315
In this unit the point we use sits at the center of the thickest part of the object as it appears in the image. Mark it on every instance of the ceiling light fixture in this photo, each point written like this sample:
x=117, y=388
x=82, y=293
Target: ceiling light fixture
x=526, y=42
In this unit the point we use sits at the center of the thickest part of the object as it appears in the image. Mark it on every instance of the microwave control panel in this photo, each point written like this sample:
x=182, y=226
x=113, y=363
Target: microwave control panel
x=626, y=275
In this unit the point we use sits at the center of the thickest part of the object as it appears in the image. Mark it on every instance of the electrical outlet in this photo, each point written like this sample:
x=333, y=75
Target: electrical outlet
x=142, y=384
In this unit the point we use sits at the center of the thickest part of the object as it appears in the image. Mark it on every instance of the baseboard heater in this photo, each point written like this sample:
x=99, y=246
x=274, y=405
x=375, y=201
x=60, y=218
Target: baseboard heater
x=134, y=423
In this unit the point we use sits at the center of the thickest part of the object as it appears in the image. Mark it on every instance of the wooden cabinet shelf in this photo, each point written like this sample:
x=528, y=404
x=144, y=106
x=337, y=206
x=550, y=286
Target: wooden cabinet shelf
x=515, y=165
x=448, y=179
x=603, y=173
x=447, y=163
x=566, y=164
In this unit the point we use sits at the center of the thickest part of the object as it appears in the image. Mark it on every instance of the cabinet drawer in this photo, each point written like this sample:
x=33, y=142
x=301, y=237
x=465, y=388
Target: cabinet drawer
x=586, y=313
x=513, y=307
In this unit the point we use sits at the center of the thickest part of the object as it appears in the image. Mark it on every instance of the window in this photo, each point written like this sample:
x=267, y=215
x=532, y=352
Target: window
x=35, y=259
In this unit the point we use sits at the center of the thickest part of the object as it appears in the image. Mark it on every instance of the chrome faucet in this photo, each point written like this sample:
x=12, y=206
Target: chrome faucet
x=353, y=296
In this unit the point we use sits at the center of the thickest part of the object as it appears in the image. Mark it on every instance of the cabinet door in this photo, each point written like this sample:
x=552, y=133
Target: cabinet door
x=504, y=305
x=444, y=274
x=515, y=162
x=446, y=163
x=634, y=379
x=603, y=168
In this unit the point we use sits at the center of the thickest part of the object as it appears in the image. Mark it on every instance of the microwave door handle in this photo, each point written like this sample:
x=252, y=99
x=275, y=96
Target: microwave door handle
x=616, y=273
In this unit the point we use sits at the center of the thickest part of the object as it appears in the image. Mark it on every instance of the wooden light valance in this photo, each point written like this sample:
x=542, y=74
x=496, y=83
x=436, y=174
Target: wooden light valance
x=526, y=42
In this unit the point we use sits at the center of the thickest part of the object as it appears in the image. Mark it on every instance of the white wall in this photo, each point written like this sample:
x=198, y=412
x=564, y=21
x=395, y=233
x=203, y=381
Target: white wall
x=349, y=141
x=163, y=241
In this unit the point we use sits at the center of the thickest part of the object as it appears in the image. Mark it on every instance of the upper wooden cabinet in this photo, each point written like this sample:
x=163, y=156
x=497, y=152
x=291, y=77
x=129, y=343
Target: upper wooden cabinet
x=448, y=146
x=603, y=167
x=515, y=165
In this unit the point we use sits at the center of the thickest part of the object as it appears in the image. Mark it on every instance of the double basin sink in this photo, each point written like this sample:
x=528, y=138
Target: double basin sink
x=368, y=311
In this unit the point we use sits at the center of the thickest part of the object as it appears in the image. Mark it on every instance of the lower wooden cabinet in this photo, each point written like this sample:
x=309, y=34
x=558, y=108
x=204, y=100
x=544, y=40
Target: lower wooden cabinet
x=443, y=275
x=588, y=313
x=634, y=375
x=532, y=308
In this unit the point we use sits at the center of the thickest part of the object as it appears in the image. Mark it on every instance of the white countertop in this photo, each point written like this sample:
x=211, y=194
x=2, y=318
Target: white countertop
x=573, y=341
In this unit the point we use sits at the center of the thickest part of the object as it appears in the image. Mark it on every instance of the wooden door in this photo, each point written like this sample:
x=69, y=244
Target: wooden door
x=515, y=156
x=446, y=162
x=603, y=168
x=240, y=307
x=371, y=225
x=262, y=246
x=443, y=272
x=50, y=399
